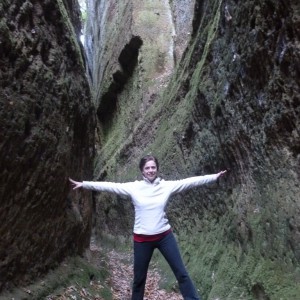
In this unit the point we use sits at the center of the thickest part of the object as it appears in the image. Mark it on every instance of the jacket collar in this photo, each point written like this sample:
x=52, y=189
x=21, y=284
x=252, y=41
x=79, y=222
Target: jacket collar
x=155, y=182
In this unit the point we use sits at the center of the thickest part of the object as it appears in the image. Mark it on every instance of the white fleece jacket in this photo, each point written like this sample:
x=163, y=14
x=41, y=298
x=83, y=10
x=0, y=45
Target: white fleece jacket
x=150, y=199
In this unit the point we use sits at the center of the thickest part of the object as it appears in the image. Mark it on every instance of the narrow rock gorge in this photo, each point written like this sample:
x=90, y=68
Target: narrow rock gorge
x=203, y=85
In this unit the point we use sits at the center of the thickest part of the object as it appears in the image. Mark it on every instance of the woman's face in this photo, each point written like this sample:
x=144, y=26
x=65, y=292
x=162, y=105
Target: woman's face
x=150, y=170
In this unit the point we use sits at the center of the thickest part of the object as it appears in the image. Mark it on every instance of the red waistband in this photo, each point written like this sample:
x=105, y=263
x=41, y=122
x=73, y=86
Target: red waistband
x=149, y=238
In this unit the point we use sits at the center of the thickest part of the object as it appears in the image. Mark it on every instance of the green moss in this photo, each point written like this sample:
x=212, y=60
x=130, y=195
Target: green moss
x=225, y=261
x=74, y=272
x=148, y=19
x=4, y=28
x=70, y=27
x=169, y=126
x=226, y=270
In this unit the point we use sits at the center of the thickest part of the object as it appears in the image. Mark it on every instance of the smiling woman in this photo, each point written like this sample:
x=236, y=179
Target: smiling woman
x=149, y=167
x=151, y=227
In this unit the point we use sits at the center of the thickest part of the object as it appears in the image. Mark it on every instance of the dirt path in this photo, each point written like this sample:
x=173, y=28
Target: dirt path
x=120, y=265
x=122, y=276
x=77, y=279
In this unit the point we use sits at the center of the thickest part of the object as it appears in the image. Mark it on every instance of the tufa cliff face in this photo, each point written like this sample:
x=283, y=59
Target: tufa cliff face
x=227, y=96
x=47, y=134
x=203, y=85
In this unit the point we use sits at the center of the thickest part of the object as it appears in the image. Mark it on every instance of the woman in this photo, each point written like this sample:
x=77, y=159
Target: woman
x=151, y=226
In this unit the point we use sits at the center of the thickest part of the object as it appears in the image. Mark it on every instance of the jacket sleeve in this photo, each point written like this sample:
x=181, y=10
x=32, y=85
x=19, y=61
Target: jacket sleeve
x=111, y=187
x=178, y=186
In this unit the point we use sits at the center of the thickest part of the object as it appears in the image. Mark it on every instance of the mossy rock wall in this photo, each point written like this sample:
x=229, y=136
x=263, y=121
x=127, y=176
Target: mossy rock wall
x=232, y=103
x=47, y=134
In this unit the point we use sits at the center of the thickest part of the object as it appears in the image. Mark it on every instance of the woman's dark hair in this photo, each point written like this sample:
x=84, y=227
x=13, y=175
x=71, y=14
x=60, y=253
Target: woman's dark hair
x=147, y=158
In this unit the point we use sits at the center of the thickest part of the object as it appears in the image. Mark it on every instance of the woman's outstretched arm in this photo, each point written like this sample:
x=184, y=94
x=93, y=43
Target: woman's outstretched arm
x=178, y=186
x=104, y=186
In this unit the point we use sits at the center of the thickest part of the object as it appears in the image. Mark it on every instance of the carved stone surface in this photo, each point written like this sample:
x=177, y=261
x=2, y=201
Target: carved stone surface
x=231, y=102
x=47, y=134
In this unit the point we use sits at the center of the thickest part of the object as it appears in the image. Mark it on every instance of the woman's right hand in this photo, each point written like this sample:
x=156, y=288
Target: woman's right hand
x=75, y=184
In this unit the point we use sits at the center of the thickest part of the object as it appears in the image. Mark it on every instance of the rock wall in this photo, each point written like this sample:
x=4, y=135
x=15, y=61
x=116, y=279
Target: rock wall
x=130, y=54
x=232, y=102
x=47, y=134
